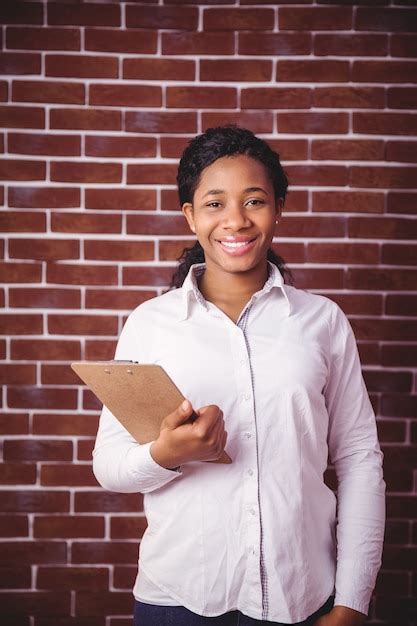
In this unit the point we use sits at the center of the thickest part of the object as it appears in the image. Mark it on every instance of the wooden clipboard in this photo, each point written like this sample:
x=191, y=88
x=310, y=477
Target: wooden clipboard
x=140, y=396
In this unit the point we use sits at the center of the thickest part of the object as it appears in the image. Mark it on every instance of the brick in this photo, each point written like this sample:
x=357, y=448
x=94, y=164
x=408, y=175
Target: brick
x=85, y=448
x=38, y=398
x=183, y=18
x=82, y=324
x=68, y=526
x=120, y=250
x=382, y=227
x=4, y=90
x=67, y=274
x=401, y=97
x=200, y=43
x=385, y=123
x=403, y=45
x=348, y=202
x=401, y=202
x=44, y=197
x=399, y=558
x=22, y=117
x=318, y=278
x=388, y=381
x=41, y=249
x=14, y=526
x=161, y=122
x=132, y=527
x=22, y=221
x=95, y=603
x=384, y=71
x=398, y=304
x=35, y=603
x=313, y=122
x=21, y=169
x=17, y=474
x=120, y=199
x=350, y=45
x=45, y=298
x=97, y=145
x=398, y=405
x=48, y=92
x=275, y=43
x=34, y=501
x=90, y=402
x=343, y=253
x=14, y=424
x=275, y=98
x=151, y=174
x=122, y=299
x=12, y=324
x=387, y=20
x=100, y=350
x=399, y=254
x=31, y=143
x=21, y=13
x=313, y=71
x=32, y=38
x=20, y=272
x=317, y=175
x=201, y=97
x=15, y=578
x=81, y=66
x=346, y=149
x=383, y=329
x=235, y=70
x=86, y=223
x=383, y=177
x=71, y=621
x=65, y=424
x=19, y=63
x=398, y=355
x=403, y=608
x=17, y=374
x=53, y=475
x=258, y=121
x=37, y=450
x=238, y=19
x=317, y=18
x=171, y=250
x=157, y=225
x=401, y=151
x=359, y=304
x=290, y=150
x=105, y=501
x=161, y=69
x=70, y=171
x=104, y=552
x=124, y=577
x=85, y=119
x=383, y=279
x=54, y=374
x=88, y=14
x=391, y=431
x=122, y=40
x=173, y=147
x=75, y=578
x=148, y=276
x=349, y=97
x=125, y=95
x=45, y=349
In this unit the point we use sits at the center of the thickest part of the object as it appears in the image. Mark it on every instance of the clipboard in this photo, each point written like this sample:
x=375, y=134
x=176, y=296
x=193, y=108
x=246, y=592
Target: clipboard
x=140, y=396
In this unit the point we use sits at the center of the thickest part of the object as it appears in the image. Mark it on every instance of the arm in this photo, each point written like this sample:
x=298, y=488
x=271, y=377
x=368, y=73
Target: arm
x=119, y=462
x=355, y=452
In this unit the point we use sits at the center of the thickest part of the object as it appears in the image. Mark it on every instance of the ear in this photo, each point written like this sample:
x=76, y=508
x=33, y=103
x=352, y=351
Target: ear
x=187, y=209
x=278, y=207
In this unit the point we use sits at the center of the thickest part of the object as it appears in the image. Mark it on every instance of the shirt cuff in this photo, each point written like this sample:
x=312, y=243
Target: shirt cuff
x=354, y=586
x=146, y=471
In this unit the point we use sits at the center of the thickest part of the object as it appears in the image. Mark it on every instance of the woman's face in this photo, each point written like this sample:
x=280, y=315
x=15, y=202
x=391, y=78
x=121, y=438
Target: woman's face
x=234, y=213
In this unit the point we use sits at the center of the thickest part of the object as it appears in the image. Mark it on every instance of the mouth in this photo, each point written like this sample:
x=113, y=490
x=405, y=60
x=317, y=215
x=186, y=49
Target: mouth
x=237, y=247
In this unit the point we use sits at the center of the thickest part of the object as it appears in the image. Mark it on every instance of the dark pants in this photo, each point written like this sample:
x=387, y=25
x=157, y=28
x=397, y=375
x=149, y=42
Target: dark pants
x=153, y=615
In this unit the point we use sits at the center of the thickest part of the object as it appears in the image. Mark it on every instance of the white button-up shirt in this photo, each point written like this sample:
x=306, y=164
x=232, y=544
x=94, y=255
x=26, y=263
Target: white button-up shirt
x=263, y=535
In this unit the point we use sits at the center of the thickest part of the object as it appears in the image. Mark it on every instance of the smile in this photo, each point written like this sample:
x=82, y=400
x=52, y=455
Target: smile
x=236, y=248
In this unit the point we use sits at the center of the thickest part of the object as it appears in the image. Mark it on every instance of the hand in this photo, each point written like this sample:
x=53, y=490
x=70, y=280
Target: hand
x=341, y=616
x=181, y=441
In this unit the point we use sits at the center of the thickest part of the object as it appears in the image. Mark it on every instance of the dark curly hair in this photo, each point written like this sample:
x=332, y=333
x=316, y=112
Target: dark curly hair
x=201, y=152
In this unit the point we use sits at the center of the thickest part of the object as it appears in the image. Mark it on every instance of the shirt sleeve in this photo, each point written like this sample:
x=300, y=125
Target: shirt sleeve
x=119, y=462
x=357, y=458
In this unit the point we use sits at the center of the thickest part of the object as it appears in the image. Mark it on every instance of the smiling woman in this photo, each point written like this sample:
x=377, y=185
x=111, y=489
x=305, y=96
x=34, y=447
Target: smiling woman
x=273, y=375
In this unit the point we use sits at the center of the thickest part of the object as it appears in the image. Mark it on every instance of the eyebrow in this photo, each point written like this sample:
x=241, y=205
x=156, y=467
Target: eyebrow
x=216, y=192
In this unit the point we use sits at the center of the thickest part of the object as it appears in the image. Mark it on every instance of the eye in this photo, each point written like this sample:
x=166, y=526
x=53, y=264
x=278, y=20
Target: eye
x=213, y=205
x=255, y=202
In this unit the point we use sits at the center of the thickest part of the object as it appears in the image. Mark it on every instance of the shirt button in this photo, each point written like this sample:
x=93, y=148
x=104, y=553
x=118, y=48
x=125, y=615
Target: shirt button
x=250, y=472
x=252, y=511
x=248, y=435
x=246, y=396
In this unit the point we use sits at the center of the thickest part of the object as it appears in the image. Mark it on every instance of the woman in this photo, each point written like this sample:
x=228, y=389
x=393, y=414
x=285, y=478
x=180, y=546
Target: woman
x=273, y=374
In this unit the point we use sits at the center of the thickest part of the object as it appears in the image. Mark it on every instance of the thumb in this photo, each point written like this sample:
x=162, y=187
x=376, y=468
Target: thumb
x=179, y=416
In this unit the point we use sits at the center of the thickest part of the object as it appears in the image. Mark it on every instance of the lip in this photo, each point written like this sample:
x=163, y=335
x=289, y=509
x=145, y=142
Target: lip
x=238, y=250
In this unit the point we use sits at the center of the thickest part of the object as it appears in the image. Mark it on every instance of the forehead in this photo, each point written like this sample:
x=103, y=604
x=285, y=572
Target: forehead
x=233, y=172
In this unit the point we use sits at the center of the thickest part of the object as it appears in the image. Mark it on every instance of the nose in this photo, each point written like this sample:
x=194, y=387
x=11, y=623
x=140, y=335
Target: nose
x=236, y=217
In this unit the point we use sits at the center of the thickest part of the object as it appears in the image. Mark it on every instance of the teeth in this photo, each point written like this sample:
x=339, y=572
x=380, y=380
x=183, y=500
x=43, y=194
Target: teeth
x=235, y=244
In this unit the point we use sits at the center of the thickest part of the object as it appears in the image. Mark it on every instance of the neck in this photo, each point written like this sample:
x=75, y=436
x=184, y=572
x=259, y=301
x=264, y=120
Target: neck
x=228, y=288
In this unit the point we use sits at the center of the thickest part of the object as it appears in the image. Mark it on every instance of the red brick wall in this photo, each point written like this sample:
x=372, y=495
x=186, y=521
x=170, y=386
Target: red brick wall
x=97, y=104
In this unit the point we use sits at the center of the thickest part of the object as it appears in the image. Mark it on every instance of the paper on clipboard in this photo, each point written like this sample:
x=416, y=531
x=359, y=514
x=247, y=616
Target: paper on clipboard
x=140, y=396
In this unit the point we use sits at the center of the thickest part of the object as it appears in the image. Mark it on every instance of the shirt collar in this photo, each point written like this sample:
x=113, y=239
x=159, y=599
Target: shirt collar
x=191, y=291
